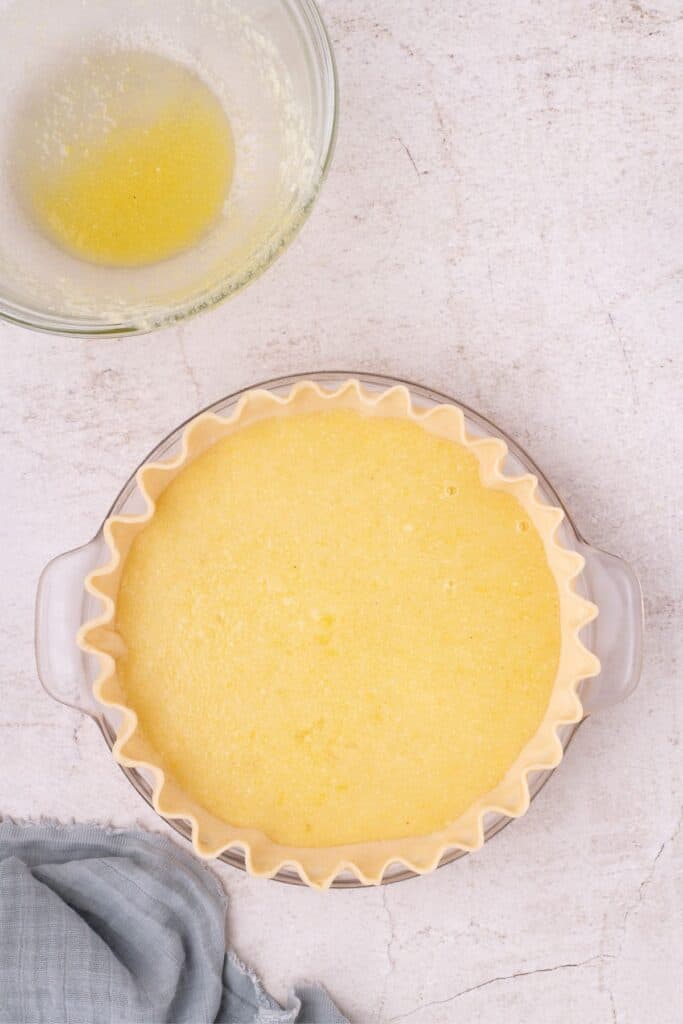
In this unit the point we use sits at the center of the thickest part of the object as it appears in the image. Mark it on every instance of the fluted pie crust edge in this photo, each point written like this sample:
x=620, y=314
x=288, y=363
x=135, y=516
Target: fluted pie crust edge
x=367, y=861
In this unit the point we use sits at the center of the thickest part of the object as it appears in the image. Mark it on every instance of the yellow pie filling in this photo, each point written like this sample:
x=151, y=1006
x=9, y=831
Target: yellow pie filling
x=334, y=633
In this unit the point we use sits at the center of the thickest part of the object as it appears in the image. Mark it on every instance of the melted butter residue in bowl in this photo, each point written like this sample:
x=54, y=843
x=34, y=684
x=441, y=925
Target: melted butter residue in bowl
x=128, y=160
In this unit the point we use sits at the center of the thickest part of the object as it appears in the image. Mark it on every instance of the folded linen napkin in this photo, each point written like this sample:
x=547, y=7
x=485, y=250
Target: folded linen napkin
x=117, y=927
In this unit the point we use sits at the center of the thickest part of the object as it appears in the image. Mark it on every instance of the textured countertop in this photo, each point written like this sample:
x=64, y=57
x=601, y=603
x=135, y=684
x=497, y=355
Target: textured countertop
x=502, y=221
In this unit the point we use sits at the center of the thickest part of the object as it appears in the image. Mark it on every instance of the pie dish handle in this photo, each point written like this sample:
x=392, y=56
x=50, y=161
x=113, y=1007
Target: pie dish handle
x=616, y=635
x=60, y=611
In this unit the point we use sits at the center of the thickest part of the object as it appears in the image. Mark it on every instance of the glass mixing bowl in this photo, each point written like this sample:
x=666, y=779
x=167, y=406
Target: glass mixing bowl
x=63, y=605
x=269, y=62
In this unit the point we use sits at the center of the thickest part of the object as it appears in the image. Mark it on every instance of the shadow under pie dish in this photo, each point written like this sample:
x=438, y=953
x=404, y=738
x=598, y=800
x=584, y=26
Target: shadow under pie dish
x=338, y=634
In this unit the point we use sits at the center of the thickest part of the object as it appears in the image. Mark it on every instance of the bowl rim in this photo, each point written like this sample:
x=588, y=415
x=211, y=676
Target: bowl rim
x=22, y=315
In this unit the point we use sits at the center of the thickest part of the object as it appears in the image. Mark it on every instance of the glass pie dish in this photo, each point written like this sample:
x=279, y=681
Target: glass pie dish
x=63, y=606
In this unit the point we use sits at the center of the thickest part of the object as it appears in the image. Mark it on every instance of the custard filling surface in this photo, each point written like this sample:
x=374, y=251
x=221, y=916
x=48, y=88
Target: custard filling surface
x=334, y=633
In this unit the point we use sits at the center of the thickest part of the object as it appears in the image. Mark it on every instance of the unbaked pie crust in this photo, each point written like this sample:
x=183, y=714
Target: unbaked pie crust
x=319, y=865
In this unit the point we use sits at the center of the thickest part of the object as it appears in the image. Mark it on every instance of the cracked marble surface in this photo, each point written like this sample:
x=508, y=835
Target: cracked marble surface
x=502, y=221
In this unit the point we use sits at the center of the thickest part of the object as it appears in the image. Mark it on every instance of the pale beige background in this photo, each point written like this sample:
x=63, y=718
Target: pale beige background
x=502, y=221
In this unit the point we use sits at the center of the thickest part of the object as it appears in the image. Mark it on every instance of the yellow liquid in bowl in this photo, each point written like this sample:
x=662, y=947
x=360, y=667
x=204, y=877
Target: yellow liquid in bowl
x=130, y=162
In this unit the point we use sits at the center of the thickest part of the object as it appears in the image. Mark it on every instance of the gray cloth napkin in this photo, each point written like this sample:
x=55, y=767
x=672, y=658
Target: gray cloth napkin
x=101, y=926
